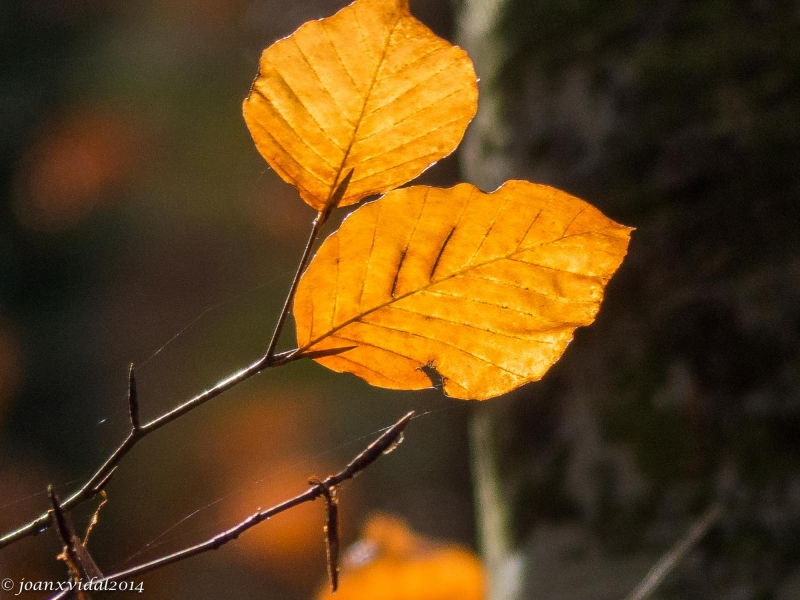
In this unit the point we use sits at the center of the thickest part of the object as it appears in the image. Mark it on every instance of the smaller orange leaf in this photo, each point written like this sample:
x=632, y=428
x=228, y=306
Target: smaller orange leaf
x=391, y=562
x=369, y=89
x=485, y=288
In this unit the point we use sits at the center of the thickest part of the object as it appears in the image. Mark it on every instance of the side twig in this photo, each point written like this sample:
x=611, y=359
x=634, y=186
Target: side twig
x=676, y=554
x=384, y=444
x=133, y=400
x=138, y=431
x=75, y=554
x=100, y=478
x=331, y=530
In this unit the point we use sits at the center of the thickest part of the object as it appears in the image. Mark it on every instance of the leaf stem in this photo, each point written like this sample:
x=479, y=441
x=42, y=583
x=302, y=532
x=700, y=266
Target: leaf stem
x=287, y=304
x=337, y=193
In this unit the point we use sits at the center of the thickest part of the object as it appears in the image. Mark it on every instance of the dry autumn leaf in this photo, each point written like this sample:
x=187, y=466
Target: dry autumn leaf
x=370, y=89
x=391, y=562
x=488, y=288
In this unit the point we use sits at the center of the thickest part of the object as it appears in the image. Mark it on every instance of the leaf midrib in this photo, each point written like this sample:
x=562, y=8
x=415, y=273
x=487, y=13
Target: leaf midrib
x=518, y=250
x=360, y=119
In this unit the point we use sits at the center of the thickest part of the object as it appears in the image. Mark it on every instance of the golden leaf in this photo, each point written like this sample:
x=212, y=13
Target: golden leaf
x=486, y=288
x=391, y=562
x=370, y=89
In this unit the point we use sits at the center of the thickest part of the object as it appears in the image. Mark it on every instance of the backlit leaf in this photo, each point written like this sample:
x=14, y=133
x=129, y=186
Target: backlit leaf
x=391, y=562
x=370, y=89
x=486, y=288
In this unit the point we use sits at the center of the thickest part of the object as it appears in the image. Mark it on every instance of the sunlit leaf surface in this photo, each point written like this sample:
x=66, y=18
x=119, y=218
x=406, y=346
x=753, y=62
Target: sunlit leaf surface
x=370, y=89
x=486, y=288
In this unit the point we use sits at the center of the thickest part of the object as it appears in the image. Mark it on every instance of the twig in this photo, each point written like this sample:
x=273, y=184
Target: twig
x=332, y=535
x=100, y=478
x=77, y=557
x=676, y=554
x=133, y=400
x=67, y=535
x=336, y=195
x=331, y=531
x=138, y=431
x=386, y=442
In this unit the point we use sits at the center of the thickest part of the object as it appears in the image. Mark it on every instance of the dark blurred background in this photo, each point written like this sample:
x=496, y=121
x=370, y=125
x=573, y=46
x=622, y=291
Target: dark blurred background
x=133, y=201
x=681, y=118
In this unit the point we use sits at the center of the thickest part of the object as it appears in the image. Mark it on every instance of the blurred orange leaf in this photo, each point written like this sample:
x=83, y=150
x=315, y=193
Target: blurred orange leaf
x=370, y=89
x=391, y=562
x=486, y=288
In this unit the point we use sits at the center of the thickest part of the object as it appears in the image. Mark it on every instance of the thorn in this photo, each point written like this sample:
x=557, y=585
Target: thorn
x=60, y=518
x=133, y=400
x=78, y=557
x=390, y=438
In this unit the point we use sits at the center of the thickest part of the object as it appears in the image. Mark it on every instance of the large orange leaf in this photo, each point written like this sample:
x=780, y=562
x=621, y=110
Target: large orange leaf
x=370, y=89
x=488, y=288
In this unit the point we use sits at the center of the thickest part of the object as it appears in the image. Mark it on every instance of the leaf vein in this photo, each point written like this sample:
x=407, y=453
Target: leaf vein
x=323, y=86
x=472, y=326
x=340, y=59
x=417, y=84
x=363, y=366
x=442, y=342
x=416, y=113
x=291, y=127
x=302, y=103
x=288, y=154
x=508, y=308
x=407, y=66
x=387, y=151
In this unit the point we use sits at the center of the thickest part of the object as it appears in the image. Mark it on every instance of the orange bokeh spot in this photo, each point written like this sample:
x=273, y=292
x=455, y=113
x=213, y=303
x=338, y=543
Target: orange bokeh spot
x=288, y=542
x=391, y=562
x=80, y=160
x=264, y=448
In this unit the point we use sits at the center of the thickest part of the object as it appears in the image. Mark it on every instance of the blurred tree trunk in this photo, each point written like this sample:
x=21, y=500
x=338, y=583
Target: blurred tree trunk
x=683, y=120
x=487, y=162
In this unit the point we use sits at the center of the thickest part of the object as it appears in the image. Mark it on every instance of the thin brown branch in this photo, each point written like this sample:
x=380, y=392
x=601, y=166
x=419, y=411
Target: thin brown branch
x=138, y=431
x=676, y=554
x=100, y=478
x=331, y=530
x=385, y=443
x=332, y=536
x=98, y=489
x=336, y=195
